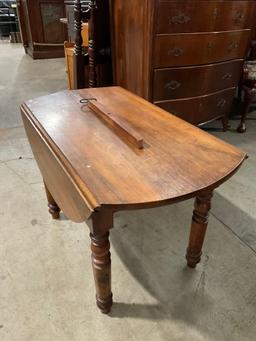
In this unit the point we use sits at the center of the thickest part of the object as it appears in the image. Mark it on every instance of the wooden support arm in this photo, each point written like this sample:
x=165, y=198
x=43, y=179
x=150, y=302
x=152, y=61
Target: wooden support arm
x=116, y=123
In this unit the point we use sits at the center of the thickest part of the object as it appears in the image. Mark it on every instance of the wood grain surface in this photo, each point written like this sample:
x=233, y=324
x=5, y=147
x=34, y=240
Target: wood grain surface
x=199, y=48
x=192, y=81
x=178, y=161
x=203, y=16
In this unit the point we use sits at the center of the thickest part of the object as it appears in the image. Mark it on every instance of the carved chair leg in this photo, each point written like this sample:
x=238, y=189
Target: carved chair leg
x=225, y=123
x=248, y=97
x=198, y=228
x=54, y=209
x=101, y=264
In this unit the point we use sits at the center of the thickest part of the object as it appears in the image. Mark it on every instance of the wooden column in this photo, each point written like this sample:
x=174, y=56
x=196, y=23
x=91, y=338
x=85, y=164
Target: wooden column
x=101, y=262
x=54, y=209
x=198, y=228
x=91, y=45
x=79, y=79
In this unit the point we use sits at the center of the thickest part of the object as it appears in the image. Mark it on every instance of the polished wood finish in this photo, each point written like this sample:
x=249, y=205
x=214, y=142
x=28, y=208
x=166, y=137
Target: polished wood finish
x=201, y=109
x=42, y=32
x=56, y=175
x=198, y=228
x=118, y=125
x=203, y=16
x=177, y=83
x=101, y=262
x=132, y=44
x=178, y=50
x=171, y=50
x=92, y=172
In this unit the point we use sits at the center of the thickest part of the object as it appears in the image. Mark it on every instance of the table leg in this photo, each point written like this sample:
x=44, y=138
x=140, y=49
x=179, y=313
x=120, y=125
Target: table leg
x=53, y=207
x=198, y=228
x=101, y=264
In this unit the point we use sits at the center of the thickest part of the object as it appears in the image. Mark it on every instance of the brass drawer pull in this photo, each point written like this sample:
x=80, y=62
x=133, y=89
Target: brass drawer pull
x=232, y=46
x=221, y=103
x=210, y=45
x=227, y=76
x=215, y=13
x=172, y=85
x=179, y=19
x=239, y=17
x=175, y=51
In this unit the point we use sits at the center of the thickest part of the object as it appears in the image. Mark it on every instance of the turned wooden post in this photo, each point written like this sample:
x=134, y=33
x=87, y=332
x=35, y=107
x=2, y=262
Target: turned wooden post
x=54, y=209
x=249, y=95
x=225, y=122
x=198, y=228
x=101, y=261
x=79, y=79
x=91, y=45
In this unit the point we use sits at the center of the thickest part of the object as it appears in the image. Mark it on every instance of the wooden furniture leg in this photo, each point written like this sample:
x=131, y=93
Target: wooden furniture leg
x=249, y=94
x=225, y=123
x=198, y=228
x=101, y=261
x=54, y=209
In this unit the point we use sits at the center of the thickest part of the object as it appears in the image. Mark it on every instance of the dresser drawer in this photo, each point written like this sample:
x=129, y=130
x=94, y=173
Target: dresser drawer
x=199, y=48
x=191, y=81
x=200, y=109
x=203, y=16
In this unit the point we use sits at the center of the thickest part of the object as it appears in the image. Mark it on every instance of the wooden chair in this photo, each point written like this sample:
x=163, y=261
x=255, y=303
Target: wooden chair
x=92, y=66
x=248, y=86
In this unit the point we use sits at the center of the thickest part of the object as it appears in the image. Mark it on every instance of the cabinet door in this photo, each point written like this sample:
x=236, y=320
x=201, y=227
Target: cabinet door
x=53, y=29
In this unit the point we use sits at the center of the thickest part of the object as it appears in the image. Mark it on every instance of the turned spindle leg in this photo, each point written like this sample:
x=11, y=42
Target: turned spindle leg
x=249, y=95
x=198, y=228
x=101, y=264
x=225, y=123
x=54, y=209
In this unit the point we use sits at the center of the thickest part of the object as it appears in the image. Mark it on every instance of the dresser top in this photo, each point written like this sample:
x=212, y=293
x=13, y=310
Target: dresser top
x=177, y=161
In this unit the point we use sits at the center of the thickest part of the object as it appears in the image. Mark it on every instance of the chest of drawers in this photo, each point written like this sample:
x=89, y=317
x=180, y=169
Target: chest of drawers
x=185, y=56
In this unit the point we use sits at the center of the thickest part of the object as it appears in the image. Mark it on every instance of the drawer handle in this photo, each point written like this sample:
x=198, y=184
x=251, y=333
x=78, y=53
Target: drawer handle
x=232, y=46
x=172, y=85
x=210, y=45
x=215, y=13
x=179, y=19
x=227, y=76
x=175, y=51
x=221, y=103
x=239, y=17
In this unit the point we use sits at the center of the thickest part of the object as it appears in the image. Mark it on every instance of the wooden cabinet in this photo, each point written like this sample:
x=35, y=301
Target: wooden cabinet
x=185, y=56
x=42, y=33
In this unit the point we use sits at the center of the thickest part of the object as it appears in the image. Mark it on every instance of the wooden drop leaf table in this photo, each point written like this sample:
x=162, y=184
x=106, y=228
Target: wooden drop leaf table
x=104, y=150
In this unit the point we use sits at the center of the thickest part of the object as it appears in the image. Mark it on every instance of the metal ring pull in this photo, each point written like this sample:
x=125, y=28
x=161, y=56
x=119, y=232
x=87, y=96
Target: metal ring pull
x=172, y=85
x=87, y=100
x=227, y=76
x=179, y=19
x=239, y=17
x=175, y=51
x=232, y=46
x=221, y=103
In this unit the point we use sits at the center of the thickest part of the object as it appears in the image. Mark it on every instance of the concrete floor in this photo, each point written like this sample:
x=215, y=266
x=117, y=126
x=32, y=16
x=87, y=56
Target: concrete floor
x=46, y=284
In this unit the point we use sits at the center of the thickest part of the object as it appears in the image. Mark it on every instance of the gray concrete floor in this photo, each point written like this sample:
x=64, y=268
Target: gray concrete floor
x=46, y=284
